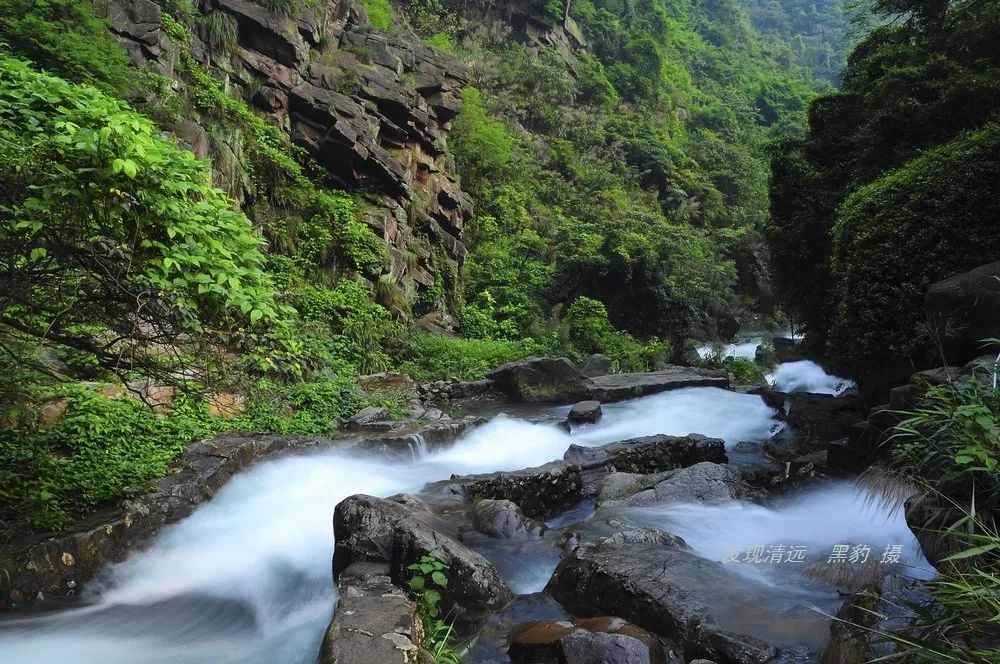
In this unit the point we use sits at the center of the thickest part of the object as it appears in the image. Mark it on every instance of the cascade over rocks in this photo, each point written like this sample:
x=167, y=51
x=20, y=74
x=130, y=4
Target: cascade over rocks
x=648, y=577
x=59, y=566
x=398, y=531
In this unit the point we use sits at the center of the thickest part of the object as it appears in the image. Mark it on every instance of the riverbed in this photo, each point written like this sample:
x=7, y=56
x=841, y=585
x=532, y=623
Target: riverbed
x=247, y=577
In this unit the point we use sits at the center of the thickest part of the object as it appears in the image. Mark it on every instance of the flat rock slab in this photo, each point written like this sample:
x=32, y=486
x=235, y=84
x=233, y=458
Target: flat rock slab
x=617, y=387
x=374, y=622
x=650, y=578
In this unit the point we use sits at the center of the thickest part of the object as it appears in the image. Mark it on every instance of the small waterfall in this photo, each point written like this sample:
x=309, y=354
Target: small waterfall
x=418, y=446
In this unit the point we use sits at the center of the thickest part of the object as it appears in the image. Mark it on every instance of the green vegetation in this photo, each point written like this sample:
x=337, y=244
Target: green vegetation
x=380, y=13
x=890, y=190
x=620, y=190
x=632, y=175
x=947, y=449
x=126, y=233
x=426, y=585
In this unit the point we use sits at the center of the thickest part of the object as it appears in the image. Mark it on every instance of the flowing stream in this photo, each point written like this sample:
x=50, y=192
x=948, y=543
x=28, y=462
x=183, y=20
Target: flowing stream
x=247, y=577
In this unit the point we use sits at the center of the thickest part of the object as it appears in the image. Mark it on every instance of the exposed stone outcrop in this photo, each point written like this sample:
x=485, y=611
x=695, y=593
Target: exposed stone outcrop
x=965, y=311
x=823, y=417
x=503, y=519
x=398, y=531
x=539, y=492
x=584, y=412
x=643, y=456
x=374, y=109
x=596, y=365
x=541, y=379
x=650, y=578
x=702, y=482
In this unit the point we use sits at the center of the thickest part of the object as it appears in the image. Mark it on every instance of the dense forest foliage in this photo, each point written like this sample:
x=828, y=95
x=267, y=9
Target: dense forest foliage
x=895, y=185
x=620, y=172
x=632, y=174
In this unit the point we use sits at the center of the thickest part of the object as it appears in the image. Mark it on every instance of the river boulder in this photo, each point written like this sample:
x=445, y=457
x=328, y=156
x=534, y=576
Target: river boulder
x=503, y=519
x=602, y=640
x=823, y=417
x=642, y=456
x=964, y=310
x=650, y=578
x=704, y=482
x=400, y=530
x=584, y=412
x=540, y=492
x=597, y=365
x=540, y=379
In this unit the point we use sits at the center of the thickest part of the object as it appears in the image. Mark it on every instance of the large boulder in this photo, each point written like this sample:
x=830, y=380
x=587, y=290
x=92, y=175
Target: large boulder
x=540, y=492
x=823, y=417
x=703, y=482
x=643, y=456
x=584, y=412
x=504, y=520
x=650, y=578
x=539, y=379
x=965, y=310
x=399, y=531
x=597, y=365
x=603, y=640
x=375, y=621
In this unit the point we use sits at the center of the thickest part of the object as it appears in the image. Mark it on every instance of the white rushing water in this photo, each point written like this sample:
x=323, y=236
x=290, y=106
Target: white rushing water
x=807, y=376
x=247, y=577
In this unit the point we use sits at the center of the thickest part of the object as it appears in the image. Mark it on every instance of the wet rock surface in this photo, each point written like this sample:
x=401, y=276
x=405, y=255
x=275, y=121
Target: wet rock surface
x=602, y=640
x=703, y=482
x=503, y=519
x=375, y=621
x=642, y=456
x=539, y=492
x=650, y=578
x=398, y=531
x=585, y=412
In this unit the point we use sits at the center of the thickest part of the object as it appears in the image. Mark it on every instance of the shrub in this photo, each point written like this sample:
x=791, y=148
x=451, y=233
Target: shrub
x=434, y=357
x=379, y=13
x=110, y=224
x=590, y=331
x=221, y=32
x=481, y=144
x=101, y=450
x=932, y=218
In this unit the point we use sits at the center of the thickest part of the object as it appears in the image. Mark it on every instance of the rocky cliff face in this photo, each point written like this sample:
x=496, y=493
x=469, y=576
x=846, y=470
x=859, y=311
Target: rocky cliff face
x=373, y=109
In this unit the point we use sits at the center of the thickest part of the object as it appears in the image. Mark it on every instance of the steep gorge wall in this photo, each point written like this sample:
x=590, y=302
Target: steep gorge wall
x=373, y=109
